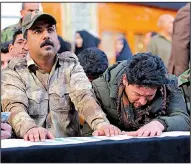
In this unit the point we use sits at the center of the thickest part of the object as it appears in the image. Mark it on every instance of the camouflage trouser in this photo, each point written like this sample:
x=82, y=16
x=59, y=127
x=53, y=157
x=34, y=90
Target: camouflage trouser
x=186, y=93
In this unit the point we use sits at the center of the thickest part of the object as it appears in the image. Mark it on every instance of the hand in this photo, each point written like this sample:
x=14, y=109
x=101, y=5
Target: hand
x=106, y=129
x=154, y=128
x=37, y=134
x=5, y=131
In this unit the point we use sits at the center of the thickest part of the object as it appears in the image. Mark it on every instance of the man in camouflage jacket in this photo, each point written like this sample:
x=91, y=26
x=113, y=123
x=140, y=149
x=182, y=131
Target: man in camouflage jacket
x=184, y=84
x=8, y=32
x=43, y=90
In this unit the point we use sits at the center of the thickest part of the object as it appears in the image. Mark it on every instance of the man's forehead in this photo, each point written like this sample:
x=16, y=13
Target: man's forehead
x=144, y=89
x=19, y=36
x=32, y=6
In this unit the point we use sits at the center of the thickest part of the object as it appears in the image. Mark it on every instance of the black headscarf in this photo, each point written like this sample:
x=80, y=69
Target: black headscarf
x=97, y=41
x=64, y=45
x=125, y=53
x=88, y=41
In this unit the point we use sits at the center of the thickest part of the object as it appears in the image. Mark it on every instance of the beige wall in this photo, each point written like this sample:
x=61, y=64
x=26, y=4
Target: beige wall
x=86, y=16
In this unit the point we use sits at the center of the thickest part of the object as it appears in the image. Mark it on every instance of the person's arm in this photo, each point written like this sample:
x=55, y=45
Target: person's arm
x=14, y=100
x=178, y=118
x=82, y=96
x=180, y=41
x=3, y=36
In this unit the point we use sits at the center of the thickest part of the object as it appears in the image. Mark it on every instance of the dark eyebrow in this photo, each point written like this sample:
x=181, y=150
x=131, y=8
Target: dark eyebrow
x=20, y=39
x=142, y=95
x=50, y=25
x=136, y=92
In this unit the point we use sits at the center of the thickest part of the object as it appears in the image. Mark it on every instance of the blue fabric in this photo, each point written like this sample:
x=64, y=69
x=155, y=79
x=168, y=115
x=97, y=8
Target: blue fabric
x=162, y=150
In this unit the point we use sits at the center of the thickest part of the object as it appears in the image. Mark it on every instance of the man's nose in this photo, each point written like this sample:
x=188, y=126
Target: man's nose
x=46, y=35
x=25, y=47
x=142, y=100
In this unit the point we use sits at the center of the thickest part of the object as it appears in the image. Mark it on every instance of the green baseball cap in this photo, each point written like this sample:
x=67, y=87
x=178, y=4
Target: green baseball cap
x=30, y=19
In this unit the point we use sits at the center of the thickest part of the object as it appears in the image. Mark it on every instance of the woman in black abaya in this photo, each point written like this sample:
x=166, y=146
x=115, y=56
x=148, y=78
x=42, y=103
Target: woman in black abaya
x=83, y=40
x=123, y=51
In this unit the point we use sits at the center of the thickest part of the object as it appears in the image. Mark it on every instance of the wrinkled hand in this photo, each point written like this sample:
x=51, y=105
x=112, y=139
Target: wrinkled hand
x=154, y=128
x=106, y=129
x=38, y=134
x=5, y=131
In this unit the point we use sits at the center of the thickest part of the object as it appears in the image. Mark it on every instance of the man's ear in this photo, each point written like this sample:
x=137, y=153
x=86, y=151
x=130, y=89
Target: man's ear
x=10, y=48
x=125, y=81
x=22, y=13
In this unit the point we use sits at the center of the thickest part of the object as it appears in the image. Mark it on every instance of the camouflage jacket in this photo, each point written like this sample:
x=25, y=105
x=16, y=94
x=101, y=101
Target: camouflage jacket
x=184, y=78
x=184, y=84
x=34, y=102
x=8, y=32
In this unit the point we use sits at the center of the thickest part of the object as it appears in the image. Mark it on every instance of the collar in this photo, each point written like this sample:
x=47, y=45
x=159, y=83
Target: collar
x=19, y=24
x=162, y=36
x=32, y=66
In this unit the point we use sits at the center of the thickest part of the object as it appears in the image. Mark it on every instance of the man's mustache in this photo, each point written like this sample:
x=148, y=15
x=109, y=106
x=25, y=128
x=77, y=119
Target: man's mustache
x=47, y=43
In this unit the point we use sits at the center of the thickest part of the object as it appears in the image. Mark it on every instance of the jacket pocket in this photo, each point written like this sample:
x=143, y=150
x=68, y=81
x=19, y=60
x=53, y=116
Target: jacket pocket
x=59, y=100
x=38, y=102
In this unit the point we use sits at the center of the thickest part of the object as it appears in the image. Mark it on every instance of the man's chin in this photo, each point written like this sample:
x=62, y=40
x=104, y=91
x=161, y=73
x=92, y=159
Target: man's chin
x=136, y=106
x=20, y=55
x=48, y=53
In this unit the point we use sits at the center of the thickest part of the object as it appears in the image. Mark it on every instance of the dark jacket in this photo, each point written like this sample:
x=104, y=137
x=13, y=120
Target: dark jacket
x=125, y=54
x=180, y=54
x=106, y=88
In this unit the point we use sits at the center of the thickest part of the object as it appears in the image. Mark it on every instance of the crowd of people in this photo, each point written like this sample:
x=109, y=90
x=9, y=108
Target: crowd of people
x=54, y=91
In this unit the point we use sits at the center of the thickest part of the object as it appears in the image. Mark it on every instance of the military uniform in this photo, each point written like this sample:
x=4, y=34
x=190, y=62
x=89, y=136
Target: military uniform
x=184, y=84
x=174, y=118
x=36, y=98
x=8, y=32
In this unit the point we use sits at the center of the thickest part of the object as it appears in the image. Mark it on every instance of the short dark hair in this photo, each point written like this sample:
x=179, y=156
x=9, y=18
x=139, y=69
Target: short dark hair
x=145, y=69
x=93, y=61
x=5, y=47
x=17, y=32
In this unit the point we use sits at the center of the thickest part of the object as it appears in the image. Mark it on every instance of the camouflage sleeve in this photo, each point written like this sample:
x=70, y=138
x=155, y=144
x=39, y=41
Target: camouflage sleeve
x=7, y=33
x=178, y=118
x=184, y=78
x=82, y=96
x=3, y=36
x=14, y=100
